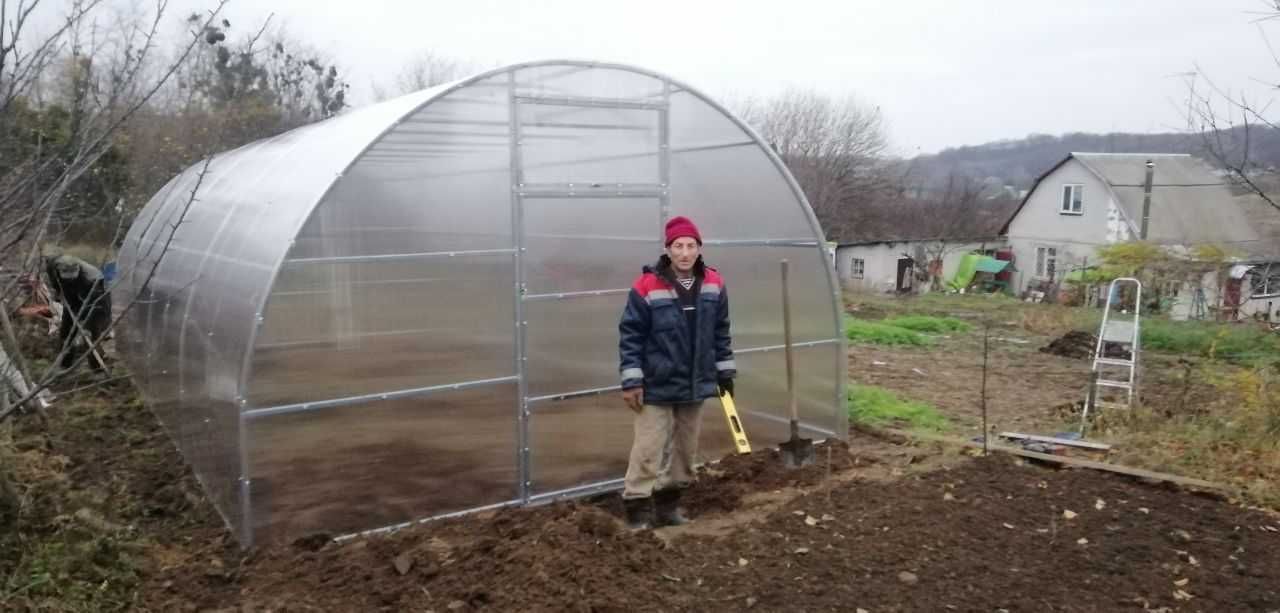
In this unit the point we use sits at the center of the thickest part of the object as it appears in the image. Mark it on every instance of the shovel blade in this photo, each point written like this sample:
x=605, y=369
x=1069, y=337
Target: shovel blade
x=797, y=452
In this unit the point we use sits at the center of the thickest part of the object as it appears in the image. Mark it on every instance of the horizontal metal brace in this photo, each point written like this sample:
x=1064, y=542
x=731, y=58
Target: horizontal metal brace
x=396, y=395
x=575, y=492
x=830, y=341
x=763, y=242
x=408, y=524
x=352, y=259
x=322, y=342
x=568, y=125
x=576, y=394
x=578, y=186
x=590, y=193
x=368, y=282
x=571, y=295
x=599, y=237
x=1117, y=384
x=1113, y=362
x=713, y=146
x=576, y=161
x=605, y=103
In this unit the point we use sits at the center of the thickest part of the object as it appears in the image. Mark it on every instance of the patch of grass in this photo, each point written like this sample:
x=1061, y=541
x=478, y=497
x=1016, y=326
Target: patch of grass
x=877, y=406
x=1237, y=343
x=877, y=333
x=929, y=324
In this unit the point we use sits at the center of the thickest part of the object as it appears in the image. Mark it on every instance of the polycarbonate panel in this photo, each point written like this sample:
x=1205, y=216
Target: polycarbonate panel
x=587, y=80
x=346, y=329
x=207, y=246
x=761, y=390
x=588, y=145
x=753, y=278
x=579, y=441
x=695, y=123
x=724, y=188
x=371, y=465
x=572, y=344
x=438, y=181
x=585, y=244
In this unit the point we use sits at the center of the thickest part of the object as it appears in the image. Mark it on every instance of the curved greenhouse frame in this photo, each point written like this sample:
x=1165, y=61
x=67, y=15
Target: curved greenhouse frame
x=410, y=310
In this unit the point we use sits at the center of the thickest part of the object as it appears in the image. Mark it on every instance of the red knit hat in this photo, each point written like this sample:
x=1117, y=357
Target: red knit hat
x=680, y=227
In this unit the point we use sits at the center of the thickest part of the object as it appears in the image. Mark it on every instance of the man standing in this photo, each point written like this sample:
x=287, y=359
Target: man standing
x=86, y=307
x=675, y=352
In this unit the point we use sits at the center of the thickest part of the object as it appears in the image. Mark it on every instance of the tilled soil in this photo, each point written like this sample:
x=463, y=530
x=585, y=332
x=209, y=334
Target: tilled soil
x=988, y=534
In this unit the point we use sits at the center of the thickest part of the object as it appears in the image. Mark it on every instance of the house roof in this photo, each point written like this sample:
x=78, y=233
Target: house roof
x=1190, y=204
x=894, y=241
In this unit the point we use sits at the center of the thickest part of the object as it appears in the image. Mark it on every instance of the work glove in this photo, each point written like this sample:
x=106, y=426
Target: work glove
x=726, y=386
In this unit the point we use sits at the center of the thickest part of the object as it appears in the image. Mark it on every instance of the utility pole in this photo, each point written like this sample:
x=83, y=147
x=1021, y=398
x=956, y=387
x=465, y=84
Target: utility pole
x=1146, y=199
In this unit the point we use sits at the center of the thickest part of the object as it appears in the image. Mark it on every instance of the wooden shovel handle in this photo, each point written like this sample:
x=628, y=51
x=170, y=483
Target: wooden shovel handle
x=792, y=399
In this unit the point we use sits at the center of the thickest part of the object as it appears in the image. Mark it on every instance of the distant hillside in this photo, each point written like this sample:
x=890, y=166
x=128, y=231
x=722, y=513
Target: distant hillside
x=1019, y=162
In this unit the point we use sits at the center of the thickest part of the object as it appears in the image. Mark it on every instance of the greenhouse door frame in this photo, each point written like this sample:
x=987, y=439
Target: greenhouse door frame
x=521, y=192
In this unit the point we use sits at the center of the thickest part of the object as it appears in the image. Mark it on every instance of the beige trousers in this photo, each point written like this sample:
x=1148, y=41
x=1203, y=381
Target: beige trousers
x=664, y=449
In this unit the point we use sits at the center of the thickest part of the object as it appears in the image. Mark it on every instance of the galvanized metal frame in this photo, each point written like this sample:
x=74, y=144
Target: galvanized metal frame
x=517, y=251
x=523, y=470
x=393, y=257
x=318, y=405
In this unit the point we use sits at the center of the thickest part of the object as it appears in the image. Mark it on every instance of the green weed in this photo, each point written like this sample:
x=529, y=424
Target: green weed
x=877, y=406
x=929, y=324
x=877, y=333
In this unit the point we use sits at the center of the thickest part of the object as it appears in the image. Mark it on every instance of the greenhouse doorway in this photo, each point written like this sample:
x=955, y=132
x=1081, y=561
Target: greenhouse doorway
x=566, y=212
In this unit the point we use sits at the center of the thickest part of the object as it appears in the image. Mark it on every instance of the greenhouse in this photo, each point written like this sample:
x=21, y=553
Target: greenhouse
x=411, y=310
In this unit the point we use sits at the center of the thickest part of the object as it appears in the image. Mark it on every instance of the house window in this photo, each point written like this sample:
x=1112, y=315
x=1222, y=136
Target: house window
x=857, y=267
x=1072, y=199
x=1046, y=262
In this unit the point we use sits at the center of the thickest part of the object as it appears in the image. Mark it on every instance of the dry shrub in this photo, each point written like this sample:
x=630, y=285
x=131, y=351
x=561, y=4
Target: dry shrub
x=1234, y=438
x=1052, y=320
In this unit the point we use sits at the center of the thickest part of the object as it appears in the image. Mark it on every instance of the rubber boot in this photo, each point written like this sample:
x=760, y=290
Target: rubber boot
x=666, y=507
x=639, y=513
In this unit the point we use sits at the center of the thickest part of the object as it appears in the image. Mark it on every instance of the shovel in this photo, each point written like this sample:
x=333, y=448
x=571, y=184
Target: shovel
x=798, y=451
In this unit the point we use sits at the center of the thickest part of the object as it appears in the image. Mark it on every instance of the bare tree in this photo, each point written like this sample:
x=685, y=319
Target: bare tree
x=1228, y=122
x=834, y=147
x=109, y=75
x=427, y=69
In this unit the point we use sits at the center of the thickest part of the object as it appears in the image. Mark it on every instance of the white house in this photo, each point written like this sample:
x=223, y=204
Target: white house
x=894, y=265
x=1091, y=200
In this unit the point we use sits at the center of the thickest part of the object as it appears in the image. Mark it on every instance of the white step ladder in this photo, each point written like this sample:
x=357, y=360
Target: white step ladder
x=1122, y=329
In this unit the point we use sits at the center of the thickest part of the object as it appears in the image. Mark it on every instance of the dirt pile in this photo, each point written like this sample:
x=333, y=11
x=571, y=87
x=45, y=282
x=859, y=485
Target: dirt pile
x=1074, y=344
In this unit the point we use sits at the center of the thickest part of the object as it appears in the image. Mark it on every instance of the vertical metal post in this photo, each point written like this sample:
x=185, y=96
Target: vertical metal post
x=246, y=504
x=1146, y=198
x=986, y=352
x=525, y=482
x=664, y=160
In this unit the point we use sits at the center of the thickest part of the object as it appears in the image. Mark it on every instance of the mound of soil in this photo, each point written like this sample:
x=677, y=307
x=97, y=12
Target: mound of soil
x=1074, y=344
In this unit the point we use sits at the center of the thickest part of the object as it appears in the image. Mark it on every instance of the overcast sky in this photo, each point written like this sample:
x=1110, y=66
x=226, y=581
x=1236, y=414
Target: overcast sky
x=944, y=73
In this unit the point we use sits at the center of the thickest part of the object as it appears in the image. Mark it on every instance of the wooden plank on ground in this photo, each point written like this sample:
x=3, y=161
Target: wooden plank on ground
x=1056, y=441
x=1070, y=461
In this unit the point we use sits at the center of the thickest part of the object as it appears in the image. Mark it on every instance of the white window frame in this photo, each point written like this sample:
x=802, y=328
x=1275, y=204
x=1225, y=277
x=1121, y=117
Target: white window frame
x=1046, y=260
x=1072, y=202
x=857, y=268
